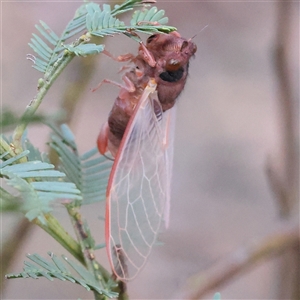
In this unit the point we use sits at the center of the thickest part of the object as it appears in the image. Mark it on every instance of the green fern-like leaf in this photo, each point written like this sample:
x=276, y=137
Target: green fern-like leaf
x=9, y=119
x=89, y=171
x=149, y=15
x=217, y=296
x=9, y=202
x=101, y=22
x=126, y=6
x=48, y=55
x=34, y=153
x=38, y=184
x=95, y=21
x=150, y=20
x=85, y=49
x=59, y=268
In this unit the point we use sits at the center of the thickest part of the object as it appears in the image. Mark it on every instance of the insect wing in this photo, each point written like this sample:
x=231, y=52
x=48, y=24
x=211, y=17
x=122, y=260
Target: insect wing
x=138, y=187
x=169, y=119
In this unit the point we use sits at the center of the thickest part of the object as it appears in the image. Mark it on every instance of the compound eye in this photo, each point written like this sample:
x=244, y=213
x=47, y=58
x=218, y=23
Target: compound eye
x=184, y=45
x=151, y=38
x=172, y=65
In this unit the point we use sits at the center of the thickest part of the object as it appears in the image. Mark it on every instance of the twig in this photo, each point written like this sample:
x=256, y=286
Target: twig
x=85, y=239
x=11, y=245
x=55, y=229
x=284, y=182
x=240, y=262
x=43, y=87
x=73, y=92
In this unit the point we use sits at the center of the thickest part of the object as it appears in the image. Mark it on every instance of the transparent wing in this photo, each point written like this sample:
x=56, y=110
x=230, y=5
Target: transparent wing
x=139, y=187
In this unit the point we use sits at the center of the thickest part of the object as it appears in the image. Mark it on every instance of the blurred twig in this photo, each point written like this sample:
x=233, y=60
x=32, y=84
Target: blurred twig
x=77, y=85
x=285, y=181
x=10, y=247
x=72, y=95
x=239, y=262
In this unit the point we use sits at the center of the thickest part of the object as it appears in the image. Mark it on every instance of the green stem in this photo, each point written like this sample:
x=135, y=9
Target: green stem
x=43, y=87
x=5, y=147
x=55, y=229
x=85, y=239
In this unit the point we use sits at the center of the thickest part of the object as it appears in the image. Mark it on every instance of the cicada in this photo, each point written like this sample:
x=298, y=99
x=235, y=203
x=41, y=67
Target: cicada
x=139, y=135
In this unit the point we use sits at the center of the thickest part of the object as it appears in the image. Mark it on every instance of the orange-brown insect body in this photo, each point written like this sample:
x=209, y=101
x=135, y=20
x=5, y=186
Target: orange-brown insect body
x=165, y=57
x=172, y=54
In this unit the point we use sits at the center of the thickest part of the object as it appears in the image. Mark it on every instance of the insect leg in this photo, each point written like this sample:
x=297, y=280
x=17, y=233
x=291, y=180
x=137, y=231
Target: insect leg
x=128, y=85
x=147, y=55
x=120, y=58
x=120, y=266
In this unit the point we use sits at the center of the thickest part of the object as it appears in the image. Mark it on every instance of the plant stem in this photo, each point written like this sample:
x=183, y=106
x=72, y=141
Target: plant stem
x=288, y=273
x=55, y=229
x=86, y=244
x=5, y=147
x=43, y=87
x=72, y=95
x=241, y=261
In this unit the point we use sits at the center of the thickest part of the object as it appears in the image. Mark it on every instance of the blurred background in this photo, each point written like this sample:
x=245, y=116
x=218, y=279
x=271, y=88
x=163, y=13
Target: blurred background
x=230, y=124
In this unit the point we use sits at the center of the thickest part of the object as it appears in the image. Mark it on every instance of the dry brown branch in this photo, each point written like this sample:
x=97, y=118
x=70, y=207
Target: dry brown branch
x=11, y=246
x=239, y=262
x=284, y=179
